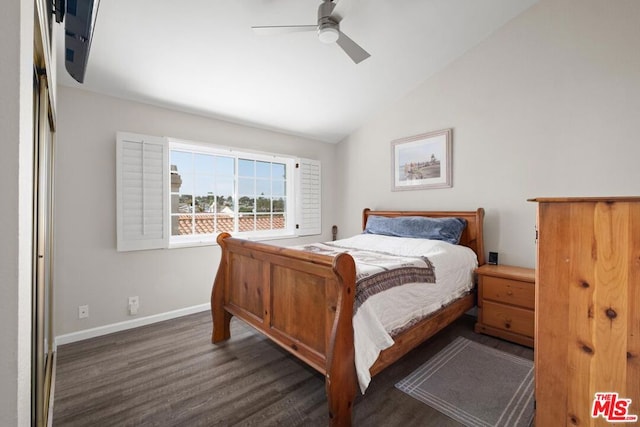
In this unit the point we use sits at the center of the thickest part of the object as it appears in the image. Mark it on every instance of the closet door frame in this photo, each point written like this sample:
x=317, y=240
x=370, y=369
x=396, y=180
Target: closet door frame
x=42, y=292
x=42, y=295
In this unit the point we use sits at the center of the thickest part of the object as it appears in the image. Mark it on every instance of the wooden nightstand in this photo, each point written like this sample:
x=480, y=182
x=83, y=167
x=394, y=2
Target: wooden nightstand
x=506, y=301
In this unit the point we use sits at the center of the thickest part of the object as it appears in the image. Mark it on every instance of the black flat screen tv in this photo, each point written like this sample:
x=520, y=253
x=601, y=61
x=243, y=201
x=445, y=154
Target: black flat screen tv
x=79, y=23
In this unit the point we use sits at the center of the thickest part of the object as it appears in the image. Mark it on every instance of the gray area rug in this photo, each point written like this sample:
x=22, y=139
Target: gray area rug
x=475, y=385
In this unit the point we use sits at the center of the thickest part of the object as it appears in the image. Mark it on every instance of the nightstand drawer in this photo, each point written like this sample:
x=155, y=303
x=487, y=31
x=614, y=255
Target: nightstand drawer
x=508, y=291
x=508, y=318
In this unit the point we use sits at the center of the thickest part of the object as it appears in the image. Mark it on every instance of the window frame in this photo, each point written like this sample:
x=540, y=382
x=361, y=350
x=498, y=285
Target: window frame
x=208, y=149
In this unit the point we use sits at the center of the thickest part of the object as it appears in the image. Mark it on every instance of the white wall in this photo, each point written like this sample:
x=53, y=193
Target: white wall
x=549, y=105
x=16, y=187
x=88, y=270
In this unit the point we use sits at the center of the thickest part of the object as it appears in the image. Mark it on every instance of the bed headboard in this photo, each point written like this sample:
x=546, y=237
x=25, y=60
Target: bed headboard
x=471, y=236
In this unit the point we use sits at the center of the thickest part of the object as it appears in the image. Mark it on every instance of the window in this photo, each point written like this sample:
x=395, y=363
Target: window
x=214, y=191
x=174, y=193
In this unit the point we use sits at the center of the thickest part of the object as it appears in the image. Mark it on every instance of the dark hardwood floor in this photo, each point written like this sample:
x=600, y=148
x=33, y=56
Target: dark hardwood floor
x=169, y=374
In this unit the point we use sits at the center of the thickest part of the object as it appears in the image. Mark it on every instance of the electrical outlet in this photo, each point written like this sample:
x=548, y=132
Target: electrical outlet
x=134, y=304
x=83, y=311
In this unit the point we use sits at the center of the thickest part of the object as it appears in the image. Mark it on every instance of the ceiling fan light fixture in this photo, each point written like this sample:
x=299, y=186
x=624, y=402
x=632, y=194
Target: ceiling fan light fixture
x=328, y=35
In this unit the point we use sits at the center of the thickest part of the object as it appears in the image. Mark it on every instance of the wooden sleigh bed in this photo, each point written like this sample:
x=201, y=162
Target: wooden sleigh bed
x=304, y=302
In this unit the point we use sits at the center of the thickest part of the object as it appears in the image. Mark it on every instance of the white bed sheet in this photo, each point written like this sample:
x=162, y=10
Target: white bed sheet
x=396, y=307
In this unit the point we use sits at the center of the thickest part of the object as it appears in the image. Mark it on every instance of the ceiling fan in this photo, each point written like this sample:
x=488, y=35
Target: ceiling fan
x=328, y=28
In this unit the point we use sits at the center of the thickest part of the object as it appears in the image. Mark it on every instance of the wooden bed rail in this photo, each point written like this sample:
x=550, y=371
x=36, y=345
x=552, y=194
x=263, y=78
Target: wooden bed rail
x=300, y=300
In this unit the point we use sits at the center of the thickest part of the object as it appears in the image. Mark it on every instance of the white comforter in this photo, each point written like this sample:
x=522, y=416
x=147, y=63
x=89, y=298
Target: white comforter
x=387, y=311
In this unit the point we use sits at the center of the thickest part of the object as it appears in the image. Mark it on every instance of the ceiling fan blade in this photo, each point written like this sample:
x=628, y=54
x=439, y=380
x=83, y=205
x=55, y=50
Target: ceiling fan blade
x=351, y=48
x=341, y=9
x=283, y=29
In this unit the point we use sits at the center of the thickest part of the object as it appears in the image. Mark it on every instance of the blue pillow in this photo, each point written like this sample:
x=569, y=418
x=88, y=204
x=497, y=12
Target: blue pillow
x=420, y=227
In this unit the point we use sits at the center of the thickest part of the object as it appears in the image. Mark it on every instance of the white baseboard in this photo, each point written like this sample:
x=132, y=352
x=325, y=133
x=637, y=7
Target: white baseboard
x=128, y=324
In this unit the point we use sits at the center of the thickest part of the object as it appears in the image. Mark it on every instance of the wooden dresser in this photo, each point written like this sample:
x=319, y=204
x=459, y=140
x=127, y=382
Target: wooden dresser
x=587, y=307
x=506, y=303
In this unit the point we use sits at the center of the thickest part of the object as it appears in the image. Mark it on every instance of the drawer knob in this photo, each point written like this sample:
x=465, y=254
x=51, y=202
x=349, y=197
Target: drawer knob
x=510, y=292
x=507, y=324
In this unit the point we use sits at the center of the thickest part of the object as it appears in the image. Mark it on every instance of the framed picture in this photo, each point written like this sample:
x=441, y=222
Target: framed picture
x=422, y=161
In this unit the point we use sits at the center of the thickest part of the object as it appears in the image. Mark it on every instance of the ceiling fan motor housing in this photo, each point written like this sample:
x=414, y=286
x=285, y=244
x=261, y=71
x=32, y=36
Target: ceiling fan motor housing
x=328, y=28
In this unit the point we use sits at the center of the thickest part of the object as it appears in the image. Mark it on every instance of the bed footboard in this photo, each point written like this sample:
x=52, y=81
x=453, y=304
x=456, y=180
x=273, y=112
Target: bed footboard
x=302, y=301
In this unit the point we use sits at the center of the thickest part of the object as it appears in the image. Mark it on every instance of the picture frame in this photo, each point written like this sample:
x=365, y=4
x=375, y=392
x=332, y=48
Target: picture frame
x=422, y=161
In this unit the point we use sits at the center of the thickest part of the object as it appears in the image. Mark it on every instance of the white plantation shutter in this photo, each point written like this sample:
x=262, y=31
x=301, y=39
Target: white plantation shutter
x=142, y=175
x=308, y=197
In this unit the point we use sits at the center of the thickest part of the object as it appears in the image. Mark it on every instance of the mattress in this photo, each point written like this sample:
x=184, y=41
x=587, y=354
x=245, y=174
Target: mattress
x=382, y=315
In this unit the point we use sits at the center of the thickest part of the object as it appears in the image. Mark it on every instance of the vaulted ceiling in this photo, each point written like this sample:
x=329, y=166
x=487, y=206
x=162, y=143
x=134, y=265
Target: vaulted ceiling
x=201, y=56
